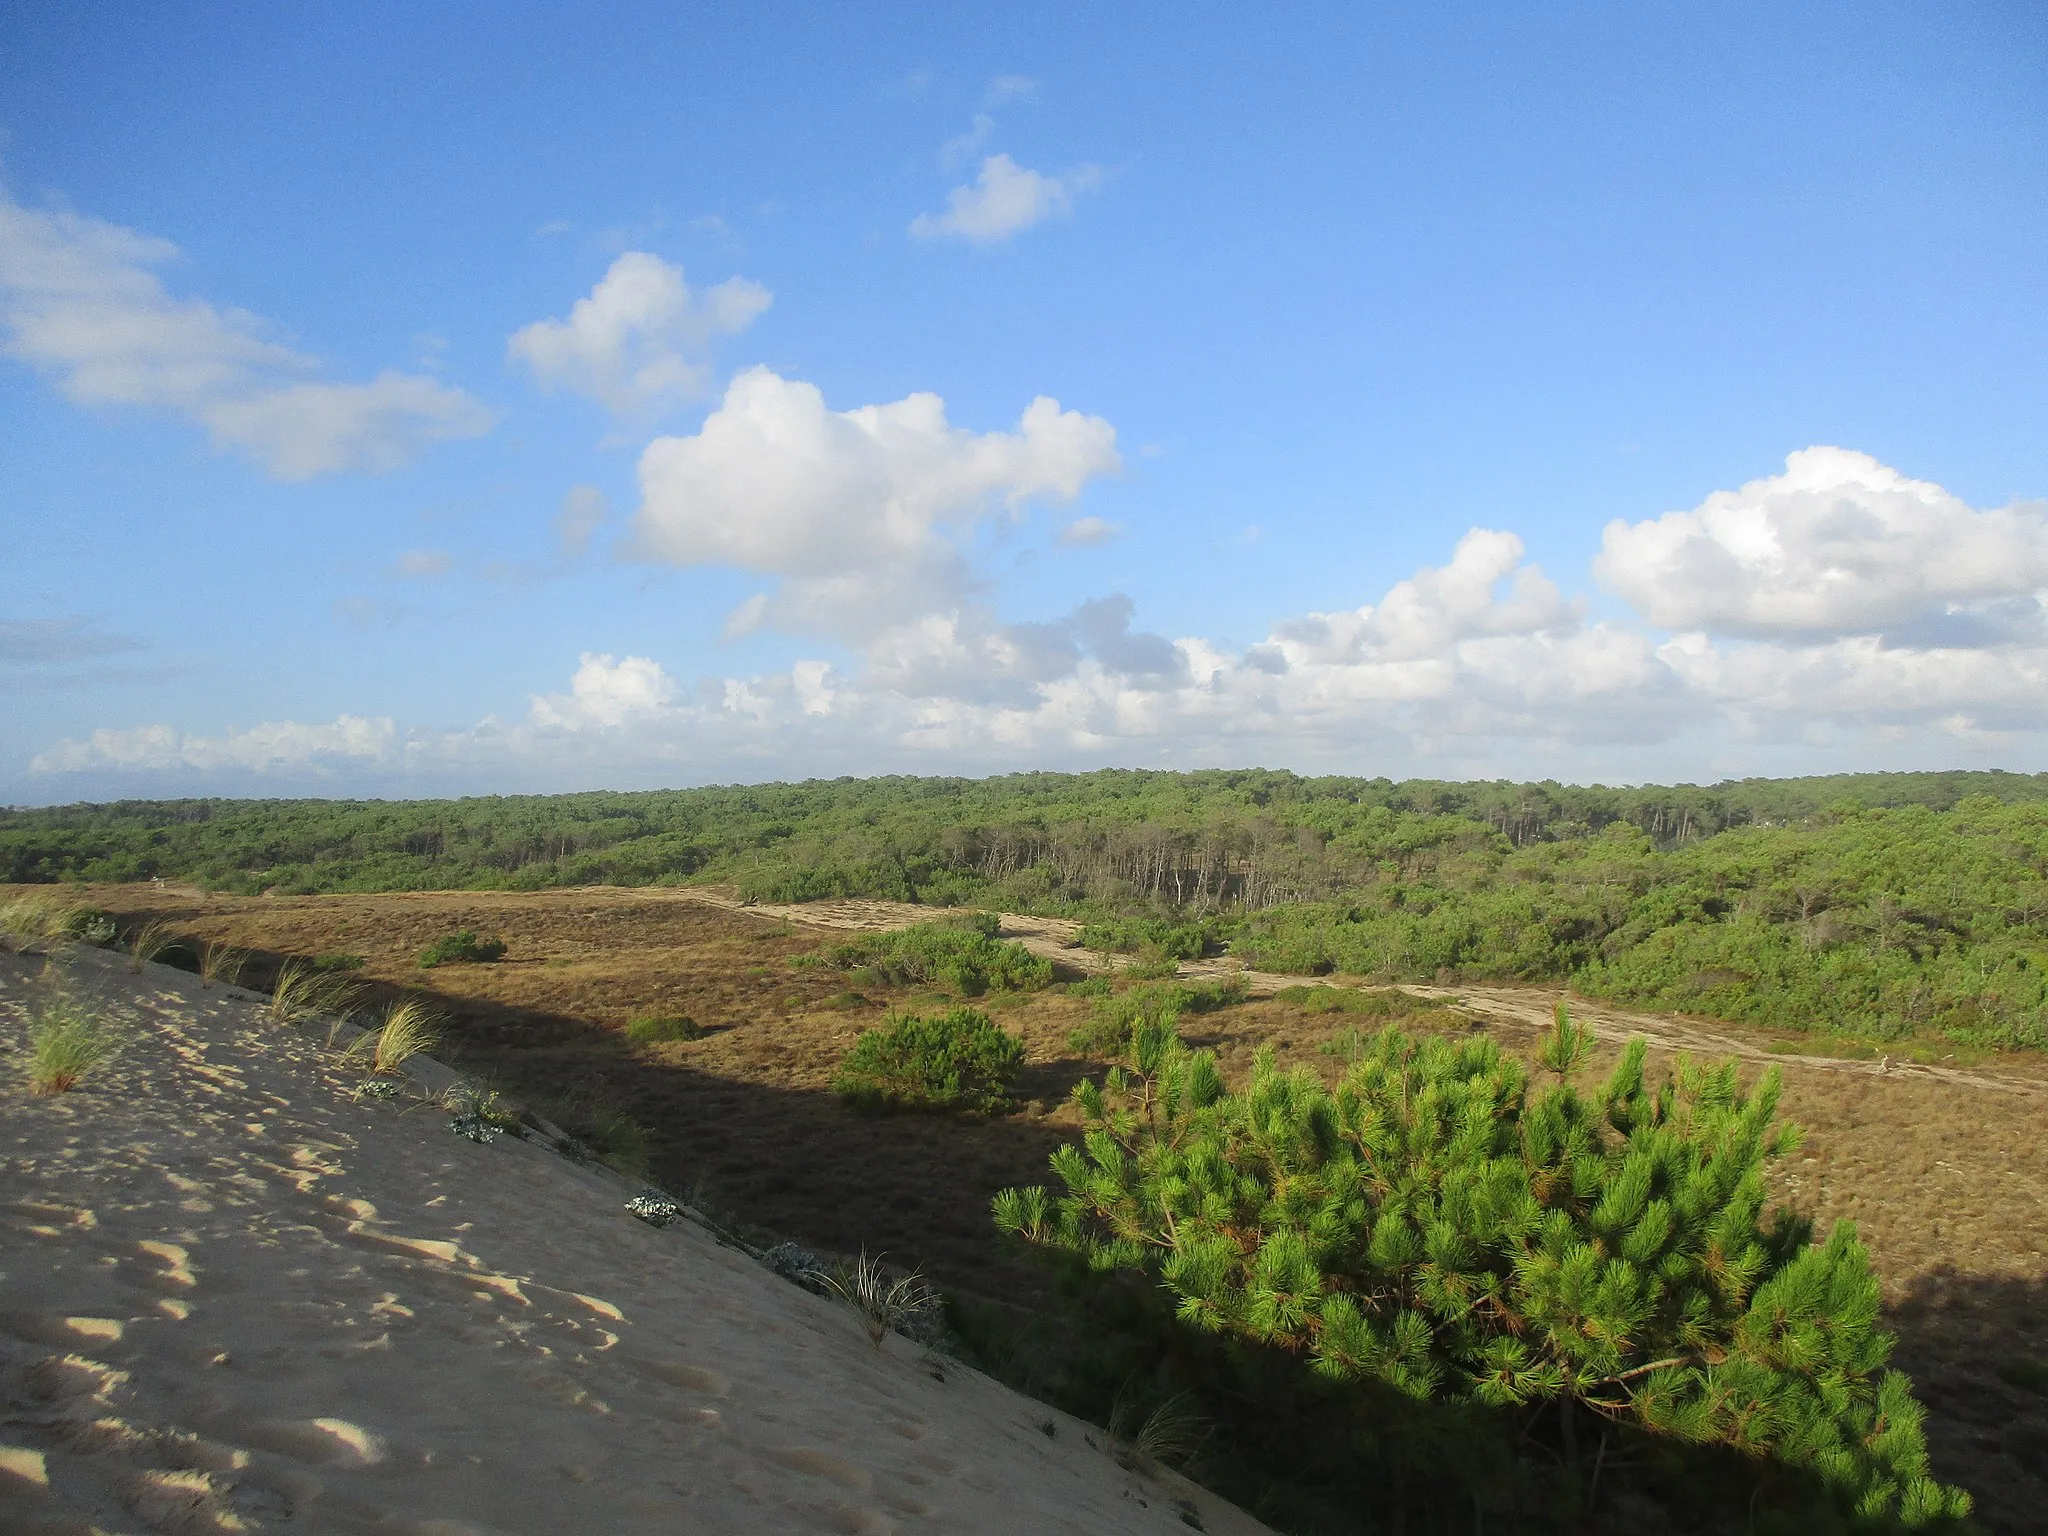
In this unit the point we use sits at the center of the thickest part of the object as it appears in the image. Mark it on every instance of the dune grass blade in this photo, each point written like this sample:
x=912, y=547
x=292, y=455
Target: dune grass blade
x=31, y=920
x=147, y=942
x=65, y=1043
x=1172, y=1432
x=409, y=1029
x=301, y=992
x=884, y=1304
x=221, y=963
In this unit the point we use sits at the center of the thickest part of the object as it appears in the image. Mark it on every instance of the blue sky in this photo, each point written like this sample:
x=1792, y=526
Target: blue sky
x=436, y=398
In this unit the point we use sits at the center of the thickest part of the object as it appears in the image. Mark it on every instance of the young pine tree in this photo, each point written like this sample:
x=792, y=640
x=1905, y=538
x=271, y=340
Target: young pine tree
x=1438, y=1226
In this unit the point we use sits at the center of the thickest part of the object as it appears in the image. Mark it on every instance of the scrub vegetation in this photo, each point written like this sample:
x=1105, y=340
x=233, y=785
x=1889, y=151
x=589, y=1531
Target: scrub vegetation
x=1389, y=1261
x=1884, y=907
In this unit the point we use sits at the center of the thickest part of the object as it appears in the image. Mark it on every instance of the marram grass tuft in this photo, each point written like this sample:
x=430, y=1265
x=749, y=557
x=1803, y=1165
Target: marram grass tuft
x=66, y=1042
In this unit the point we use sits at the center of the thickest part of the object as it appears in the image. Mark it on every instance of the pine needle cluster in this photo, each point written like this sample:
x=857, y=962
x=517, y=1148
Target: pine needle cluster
x=1437, y=1227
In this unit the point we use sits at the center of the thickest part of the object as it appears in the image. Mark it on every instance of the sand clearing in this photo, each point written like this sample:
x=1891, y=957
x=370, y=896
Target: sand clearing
x=234, y=1299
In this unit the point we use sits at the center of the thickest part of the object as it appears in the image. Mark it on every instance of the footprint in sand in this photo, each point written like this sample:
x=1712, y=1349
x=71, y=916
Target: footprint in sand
x=47, y=1219
x=690, y=1378
x=320, y=1442
x=176, y=1262
x=63, y=1377
x=815, y=1463
x=183, y=1501
x=65, y=1332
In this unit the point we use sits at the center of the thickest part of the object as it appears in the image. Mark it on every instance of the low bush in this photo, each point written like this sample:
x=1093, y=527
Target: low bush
x=338, y=962
x=962, y=954
x=1524, y=1268
x=957, y=1060
x=461, y=948
x=1369, y=1002
x=659, y=1028
x=1182, y=940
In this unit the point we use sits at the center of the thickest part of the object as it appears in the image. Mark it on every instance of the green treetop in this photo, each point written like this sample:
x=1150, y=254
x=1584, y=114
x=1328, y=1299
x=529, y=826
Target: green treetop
x=1436, y=1226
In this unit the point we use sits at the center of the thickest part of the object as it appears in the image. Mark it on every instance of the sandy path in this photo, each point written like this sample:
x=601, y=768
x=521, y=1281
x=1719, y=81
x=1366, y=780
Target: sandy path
x=234, y=1299
x=1058, y=939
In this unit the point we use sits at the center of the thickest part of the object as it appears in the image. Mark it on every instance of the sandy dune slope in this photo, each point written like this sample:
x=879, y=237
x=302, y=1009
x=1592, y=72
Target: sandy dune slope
x=232, y=1298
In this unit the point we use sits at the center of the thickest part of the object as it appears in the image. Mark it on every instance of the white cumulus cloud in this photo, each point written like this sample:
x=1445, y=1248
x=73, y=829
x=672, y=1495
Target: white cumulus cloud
x=1005, y=199
x=637, y=343
x=606, y=692
x=855, y=509
x=1481, y=664
x=1838, y=544
x=79, y=301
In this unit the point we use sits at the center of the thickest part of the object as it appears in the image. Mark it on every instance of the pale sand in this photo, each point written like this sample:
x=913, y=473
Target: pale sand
x=232, y=1299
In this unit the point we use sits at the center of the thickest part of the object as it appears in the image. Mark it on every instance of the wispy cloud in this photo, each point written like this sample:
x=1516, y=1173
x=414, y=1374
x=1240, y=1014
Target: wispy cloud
x=1004, y=200
x=423, y=564
x=1008, y=88
x=1085, y=532
x=583, y=512
x=57, y=642
x=79, y=301
x=963, y=147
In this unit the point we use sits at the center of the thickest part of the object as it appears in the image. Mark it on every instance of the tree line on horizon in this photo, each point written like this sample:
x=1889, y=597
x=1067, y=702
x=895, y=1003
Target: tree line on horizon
x=1879, y=906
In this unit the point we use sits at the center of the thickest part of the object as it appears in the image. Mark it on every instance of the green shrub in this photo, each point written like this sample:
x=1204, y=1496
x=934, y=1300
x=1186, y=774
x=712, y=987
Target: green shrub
x=462, y=947
x=341, y=962
x=1370, y=1002
x=1171, y=940
x=1433, y=1230
x=1115, y=1020
x=962, y=954
x=658, y=1028
x=958, y=1060
x=1152, y=967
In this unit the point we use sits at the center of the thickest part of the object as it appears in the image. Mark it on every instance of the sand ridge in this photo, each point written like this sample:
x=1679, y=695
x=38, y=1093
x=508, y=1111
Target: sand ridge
x=233, y=1298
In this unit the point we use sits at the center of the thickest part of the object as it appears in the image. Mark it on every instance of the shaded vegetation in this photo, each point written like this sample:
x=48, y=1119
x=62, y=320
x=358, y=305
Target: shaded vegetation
x=1116, y=1017
x=955, y=1060
x=1452, y=1287
x=463, y=948
x=660, y=1028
